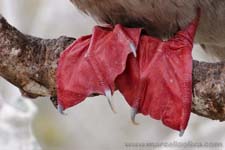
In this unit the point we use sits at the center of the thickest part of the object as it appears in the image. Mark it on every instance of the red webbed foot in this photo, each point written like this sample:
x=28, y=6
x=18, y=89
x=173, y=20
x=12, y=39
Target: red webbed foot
x=154, y=76
x=159, y=82
x=92, y=63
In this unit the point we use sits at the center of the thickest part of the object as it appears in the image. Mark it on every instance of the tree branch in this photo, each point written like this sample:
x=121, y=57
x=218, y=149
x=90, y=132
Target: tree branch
x=30, y=64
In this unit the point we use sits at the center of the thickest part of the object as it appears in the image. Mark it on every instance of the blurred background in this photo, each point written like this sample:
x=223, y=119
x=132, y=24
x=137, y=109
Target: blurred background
x=91, y=124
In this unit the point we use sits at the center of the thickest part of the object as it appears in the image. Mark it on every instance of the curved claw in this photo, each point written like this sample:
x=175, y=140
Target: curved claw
x=133, y=114
x=60, y=109
x=108, y=94
x=133, y=49
x=181, y=133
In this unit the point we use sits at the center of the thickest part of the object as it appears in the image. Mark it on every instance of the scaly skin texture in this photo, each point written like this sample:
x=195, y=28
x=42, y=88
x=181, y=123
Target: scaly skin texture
x=163, y=18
